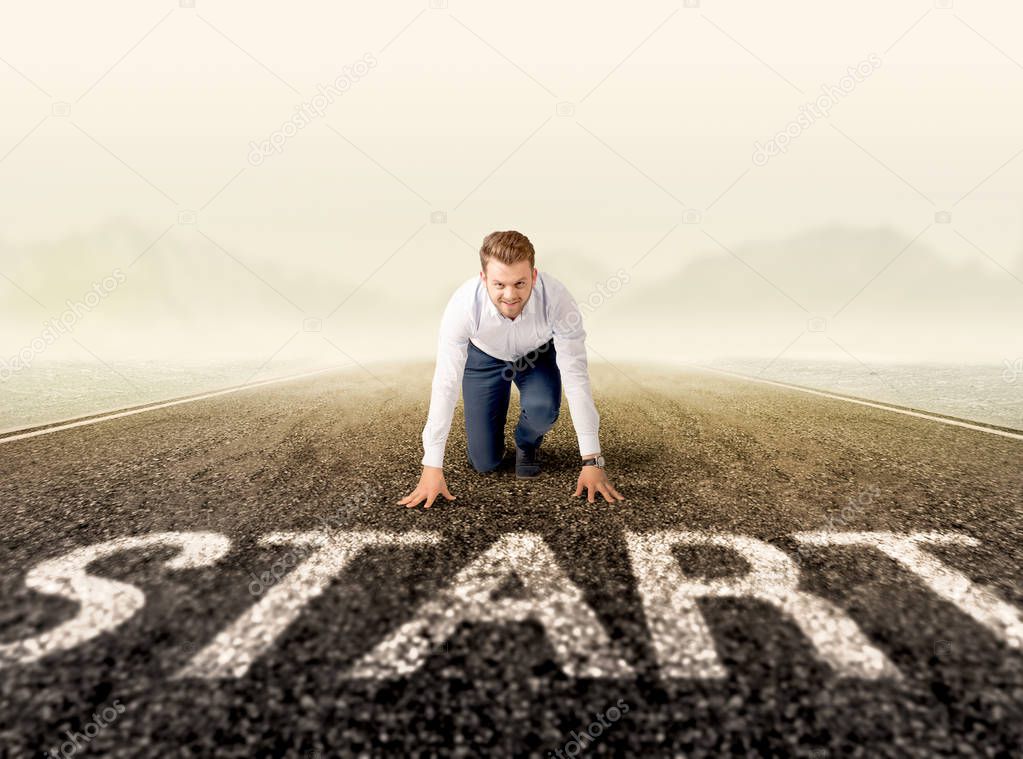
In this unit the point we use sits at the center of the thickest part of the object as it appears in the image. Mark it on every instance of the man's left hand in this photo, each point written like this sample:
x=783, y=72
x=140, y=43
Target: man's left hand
x=594, y=480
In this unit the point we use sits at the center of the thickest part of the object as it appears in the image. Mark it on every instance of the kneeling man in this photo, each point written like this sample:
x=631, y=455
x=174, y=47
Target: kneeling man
x=510, y=324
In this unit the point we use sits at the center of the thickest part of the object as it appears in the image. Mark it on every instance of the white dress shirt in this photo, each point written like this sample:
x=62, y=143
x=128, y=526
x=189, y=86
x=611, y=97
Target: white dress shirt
x=470, y=315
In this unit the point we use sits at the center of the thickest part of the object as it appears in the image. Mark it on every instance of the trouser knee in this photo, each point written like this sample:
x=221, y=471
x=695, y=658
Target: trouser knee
x=544, y=414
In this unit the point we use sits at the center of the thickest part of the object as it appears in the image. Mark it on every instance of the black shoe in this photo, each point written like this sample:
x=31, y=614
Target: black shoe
x=527, y=465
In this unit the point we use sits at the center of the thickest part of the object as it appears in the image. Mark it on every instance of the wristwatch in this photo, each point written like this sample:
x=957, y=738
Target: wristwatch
x=597, y=460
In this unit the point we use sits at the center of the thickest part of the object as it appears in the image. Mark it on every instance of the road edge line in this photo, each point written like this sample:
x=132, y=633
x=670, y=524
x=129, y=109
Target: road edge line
x=934, y=417
x=72, y=424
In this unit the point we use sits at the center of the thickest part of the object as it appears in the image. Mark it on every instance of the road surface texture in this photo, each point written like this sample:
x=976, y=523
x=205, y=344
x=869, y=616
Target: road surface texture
x=788, y=575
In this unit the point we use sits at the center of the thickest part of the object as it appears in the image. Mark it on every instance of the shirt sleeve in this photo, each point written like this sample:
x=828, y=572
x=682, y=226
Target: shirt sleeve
x=452, y=349
x=570, y=354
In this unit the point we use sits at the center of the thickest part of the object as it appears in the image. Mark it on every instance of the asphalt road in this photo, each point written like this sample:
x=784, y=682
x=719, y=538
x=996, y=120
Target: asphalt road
x=837, y=650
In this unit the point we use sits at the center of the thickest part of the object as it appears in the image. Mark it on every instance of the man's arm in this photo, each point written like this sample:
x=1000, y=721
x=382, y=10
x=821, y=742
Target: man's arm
x=452, y=349
x=570, y=354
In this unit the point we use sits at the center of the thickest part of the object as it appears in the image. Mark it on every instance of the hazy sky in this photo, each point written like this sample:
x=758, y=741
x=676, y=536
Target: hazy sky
x=614, y=137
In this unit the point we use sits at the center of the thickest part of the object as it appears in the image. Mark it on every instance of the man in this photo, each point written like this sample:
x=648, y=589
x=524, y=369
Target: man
x=511, y=324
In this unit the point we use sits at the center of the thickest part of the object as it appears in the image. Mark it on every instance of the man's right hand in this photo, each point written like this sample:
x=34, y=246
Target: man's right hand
x=431, y=484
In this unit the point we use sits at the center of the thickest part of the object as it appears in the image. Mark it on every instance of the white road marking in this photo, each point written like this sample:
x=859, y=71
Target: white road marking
x=872, y=404
x=235, y=648
x=155, y=406
x=580, y=643
x=105, y=604
x=975, y=600
x=682, y=641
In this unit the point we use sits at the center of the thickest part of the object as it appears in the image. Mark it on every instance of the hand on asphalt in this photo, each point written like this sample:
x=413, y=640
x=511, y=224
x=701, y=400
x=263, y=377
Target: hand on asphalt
x=594, y=479
x=431, y=484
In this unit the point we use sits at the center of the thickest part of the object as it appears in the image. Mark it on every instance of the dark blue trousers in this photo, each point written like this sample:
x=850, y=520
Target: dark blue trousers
x=486, y=392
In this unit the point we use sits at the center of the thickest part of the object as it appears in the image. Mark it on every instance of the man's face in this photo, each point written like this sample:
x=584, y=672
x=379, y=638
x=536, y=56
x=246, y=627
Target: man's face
x=509, y=287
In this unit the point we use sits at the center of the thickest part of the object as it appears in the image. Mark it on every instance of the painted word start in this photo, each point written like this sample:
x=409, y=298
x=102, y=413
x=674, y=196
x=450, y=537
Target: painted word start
x=682, y=642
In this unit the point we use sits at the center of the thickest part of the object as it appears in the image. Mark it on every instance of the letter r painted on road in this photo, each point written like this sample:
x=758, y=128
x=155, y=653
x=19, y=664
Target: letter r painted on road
x=682, y=641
